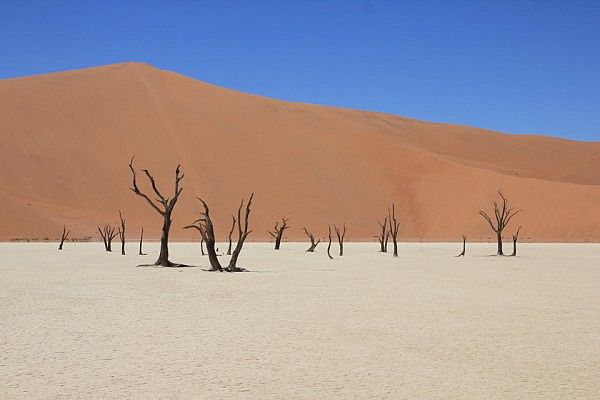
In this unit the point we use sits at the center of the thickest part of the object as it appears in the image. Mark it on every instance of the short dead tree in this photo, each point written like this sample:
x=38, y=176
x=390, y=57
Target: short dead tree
x=329, y=245
x=243, y=233
x=393, y=227
x=63, y=237
x=313, y=244
x=277, y=232
x=108, y=233
x=205, y=226
x=162, y=205
x=464, y=249
x=121, y=233
x=141, y=253
x=515, y=237
x=383, y=236
x=503, y=213
x=233, y=220
x=341, y=234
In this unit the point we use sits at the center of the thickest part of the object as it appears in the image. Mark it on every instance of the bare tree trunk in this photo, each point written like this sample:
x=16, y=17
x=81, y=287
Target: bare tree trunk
x=163, y=256
x=162, y=205
x=313, y=244
x=206, y=229
x=329, y=245
x=515, y=237
x=464, y=249
x=202, y=245
x=141, y=253
x=233, y=220
x=277, y=232
x=499, y=235
x=340, y=236
x=394, y=226
x=63, y=237
x=122, y=233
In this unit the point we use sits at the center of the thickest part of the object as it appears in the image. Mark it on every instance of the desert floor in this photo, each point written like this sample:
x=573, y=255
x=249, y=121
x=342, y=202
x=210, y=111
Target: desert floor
x=84, y=323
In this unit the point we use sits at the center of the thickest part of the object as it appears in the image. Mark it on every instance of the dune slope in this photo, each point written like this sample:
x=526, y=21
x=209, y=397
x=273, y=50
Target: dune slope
x=67, y=139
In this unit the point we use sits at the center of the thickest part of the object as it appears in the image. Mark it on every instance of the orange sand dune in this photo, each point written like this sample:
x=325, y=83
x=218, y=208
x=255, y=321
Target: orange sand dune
x=67, y=139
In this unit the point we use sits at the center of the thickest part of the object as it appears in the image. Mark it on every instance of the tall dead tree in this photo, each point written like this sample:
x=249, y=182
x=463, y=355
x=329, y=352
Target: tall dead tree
x=233, y=220
x=121, y=233
x=206, y=228
x=141, y=253
x=503, y=213
x=340, y=235
x=515, y=237
x=393, y=227
x=383, y=236
x=462, y=253
x=313, y=244
x=108, y=233
x=329, y=245
x=277, y=232
x=63, y=237
x=162, y=205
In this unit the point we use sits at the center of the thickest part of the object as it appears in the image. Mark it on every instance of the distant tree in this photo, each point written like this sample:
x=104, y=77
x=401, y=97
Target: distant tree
x=313, y=244
x=464, y=249
x=515, y=237
x=162, y=205
x=141, y=253
x=329, y=245
x=503, y=213
x=277, y=232
x=394, y=225
x=63, y=237
x=122, y=233
x=108, y=233
x=383, y=236
x=340, y=235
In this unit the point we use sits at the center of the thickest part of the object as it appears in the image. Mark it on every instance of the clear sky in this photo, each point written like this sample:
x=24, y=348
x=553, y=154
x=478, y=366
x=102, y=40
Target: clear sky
x=513, y=66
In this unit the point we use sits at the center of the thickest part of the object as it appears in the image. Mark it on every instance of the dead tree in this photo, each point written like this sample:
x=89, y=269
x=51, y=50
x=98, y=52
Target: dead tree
x=108, y=233
x=393, y=227
x=503, y=213
x=202, y=246
x=384, y=236
x=205, y=226
x=121, y=233
x=233, y=220
x=162, y=205
x=243, y=233
x=515, y=237
x=340, y=235
x=141, y=253
x=313, y=244
x=462, y=253
x=329, y=245
x=63, y=237
x=277, y=232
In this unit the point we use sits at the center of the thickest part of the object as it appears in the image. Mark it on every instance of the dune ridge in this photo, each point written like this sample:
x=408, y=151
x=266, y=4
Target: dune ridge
x=67, y=138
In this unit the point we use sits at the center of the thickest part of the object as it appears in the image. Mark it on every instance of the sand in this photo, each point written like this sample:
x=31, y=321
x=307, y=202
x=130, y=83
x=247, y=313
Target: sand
x=66, y=139
x=87, y=324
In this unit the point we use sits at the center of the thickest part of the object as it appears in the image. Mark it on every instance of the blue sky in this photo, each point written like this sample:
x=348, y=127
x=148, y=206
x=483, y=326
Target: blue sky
x=512, y=66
